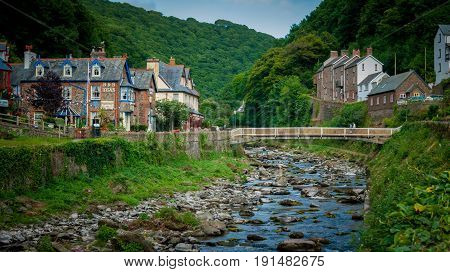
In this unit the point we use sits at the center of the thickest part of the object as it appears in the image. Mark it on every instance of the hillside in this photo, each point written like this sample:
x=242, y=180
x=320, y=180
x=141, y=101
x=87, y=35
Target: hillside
x=215, y=52
x=404, y=28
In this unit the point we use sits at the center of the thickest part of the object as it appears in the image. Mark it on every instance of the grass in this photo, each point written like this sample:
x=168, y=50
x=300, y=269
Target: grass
x=129, y=184
x=184, y=218
x=32, y=141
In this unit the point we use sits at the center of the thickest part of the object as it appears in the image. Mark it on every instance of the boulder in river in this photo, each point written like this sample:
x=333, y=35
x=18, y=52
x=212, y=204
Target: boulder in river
x=298, y=245
x=296, y=235
x=246, y=213
x=255, y=237
x=213, y=228
x=310, y=191
x=289, y=202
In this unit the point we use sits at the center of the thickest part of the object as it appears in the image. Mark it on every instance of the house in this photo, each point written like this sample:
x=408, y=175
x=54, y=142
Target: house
x=370, y=82
x=5, y=74
x=395, y=90
x=442, y=53
x=337, y=79
x=174, y=83
x=145, y=97
x=356, y=71
x=97, y=89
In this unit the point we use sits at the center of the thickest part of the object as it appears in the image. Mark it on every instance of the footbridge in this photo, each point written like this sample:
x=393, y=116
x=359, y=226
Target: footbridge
x=374, y=135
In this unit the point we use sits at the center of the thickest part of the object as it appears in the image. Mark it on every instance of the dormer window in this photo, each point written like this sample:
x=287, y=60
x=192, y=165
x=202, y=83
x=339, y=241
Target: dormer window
x=67, y=70
x=96, y=71
x=39, y=71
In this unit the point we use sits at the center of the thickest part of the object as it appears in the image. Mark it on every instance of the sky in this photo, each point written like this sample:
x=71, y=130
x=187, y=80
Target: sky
x=274, y=17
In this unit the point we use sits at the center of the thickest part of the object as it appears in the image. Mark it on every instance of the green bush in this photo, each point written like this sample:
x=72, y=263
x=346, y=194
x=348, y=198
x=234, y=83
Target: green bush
x=138, y=128
x=45, y=244
x=354, y=113
x=398, y=175
x=170, y=214
x=105, y=233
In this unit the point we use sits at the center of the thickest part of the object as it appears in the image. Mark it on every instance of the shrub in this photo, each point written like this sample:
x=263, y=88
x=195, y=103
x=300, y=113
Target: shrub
x=354, y=113
x=45, y=244
x=170, y=214
x=105, y=233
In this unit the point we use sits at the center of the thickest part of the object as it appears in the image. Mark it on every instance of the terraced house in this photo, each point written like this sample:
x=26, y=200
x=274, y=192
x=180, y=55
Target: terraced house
x=175, y=83
x=339, y=76
x=97, y=89
x=442, y=53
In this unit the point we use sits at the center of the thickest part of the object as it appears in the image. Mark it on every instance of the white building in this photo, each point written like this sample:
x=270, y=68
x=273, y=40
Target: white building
x=442, y=53
x=370, y=82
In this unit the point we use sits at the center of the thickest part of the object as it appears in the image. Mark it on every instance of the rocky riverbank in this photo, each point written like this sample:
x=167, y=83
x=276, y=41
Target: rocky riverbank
x=290, y=202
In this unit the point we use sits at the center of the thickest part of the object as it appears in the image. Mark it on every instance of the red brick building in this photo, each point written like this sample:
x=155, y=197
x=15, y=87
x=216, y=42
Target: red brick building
x=395, y=90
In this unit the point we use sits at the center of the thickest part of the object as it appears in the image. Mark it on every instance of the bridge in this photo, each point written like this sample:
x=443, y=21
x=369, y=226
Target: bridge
x=374, y=135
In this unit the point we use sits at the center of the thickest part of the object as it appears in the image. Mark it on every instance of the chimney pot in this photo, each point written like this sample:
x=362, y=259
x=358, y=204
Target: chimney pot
x=356, y=52
x=334, y=54
x=124, y=55
x=172, y=61
x=369, y=51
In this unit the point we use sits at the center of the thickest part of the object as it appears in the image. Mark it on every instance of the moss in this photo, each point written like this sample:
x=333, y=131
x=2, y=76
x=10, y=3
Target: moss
x=44, y=244
x=105, y=233
x=183, y=218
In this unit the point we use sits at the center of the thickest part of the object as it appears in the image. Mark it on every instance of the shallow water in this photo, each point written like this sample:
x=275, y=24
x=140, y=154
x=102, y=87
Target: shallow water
x=341, y=230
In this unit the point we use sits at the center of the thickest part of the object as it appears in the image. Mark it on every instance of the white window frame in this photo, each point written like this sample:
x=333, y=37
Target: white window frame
x=40, y=68
x=94, y=87
x=38, y=113
x=177, y=96
x=96, y=68
x=384, y=99
x=69, y=90
x=378, y=100
x=402, y=96
x=371, y=101
x=65, y=69
x=124, y=93
x=392, y=98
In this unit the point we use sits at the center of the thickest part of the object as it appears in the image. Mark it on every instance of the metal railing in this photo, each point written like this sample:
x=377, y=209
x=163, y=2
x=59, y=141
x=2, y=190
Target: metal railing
x=320, y=132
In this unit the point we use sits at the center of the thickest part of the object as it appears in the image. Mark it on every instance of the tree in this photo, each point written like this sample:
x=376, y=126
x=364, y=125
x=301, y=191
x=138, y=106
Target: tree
x=171, y=115
x=47, y=93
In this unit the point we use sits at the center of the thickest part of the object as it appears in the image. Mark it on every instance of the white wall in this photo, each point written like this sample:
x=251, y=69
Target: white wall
x=369, y=68
x=364, y=90
x=445, y=65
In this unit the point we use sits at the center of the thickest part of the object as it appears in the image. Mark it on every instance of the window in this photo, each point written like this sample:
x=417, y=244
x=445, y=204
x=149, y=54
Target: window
x=402, y=96
x=123, y=94
x=353, y=96
x=392, y=98
x=94, y=118
x=416, y=94
x=363, y=68
x=371, y=101
x=384, y=99
x=440, y=38
x=175, y=97
x=67, y=70
x=95, y=93
x=378, y=100
x=440, y=53
x=440, y=68
x=67, y=93
x=39, y=71
x=96, y=71
x=376, y=67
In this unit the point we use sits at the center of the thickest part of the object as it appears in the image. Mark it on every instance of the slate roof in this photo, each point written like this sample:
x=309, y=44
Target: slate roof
x=369, y=78
x=4, y=66
x=142, y=78
x=330, y=62
x=354, y=62
x=445, y=29
x=172, y=75
x=341, y=62
x=111, y=70
x=390, y=83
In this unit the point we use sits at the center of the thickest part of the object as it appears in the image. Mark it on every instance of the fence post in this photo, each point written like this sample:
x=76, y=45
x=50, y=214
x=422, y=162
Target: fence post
x=43, y=125
x=368, y=133
x=17, y=120
x=321, y=132
x=345, y=133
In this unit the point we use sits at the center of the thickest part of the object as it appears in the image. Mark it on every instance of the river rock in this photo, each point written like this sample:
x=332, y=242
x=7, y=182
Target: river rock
x=296, y=235
x=357, y=217
x=246, y=213
x=255, y=237
x=5, y=238
x=213, y=228
x=320, y=240
x=298, y=245
x=289, y=202
x=183, y=247
x=310, y=191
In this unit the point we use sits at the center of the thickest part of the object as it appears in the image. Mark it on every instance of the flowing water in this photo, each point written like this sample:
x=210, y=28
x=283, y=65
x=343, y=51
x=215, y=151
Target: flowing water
x=331, y=220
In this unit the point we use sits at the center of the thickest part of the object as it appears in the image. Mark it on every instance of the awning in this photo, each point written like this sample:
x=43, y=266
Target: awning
x=67, y=111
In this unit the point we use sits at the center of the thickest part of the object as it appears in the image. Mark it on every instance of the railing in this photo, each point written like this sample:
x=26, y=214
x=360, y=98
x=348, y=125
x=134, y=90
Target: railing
x=39, y=125
x=317, y=132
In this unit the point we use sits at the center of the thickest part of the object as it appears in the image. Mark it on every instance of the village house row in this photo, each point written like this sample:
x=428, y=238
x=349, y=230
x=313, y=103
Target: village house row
x=104, y=86
x=359, y=76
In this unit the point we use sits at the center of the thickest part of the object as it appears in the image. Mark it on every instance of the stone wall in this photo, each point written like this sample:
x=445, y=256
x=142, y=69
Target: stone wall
x=324, y=110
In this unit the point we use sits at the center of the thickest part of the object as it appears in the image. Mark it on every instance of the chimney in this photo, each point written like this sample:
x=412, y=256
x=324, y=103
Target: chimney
x=369, y=51
x=153, y=64
x=333, y=54
x=28, y=57
x=172, y=61
x=99, y=51
x=125, y=55
x=356, y=52
x=344, y=53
